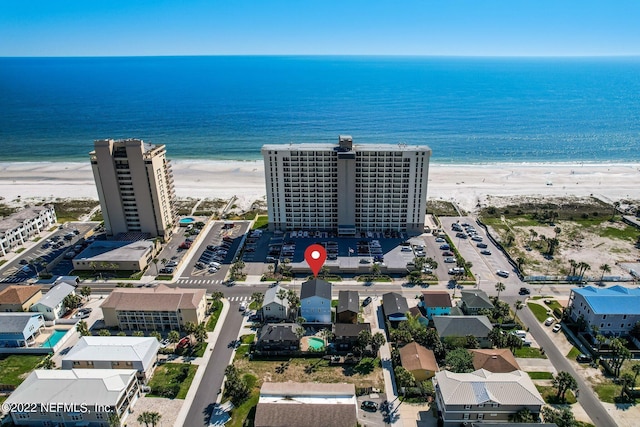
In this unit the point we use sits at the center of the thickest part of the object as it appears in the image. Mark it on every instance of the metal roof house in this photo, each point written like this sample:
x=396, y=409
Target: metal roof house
x=315, y=301
x=615, y=310
x=51, y=305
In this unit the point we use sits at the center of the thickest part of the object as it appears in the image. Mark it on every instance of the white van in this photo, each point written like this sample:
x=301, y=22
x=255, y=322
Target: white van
x=214, y=264
x=520, y=334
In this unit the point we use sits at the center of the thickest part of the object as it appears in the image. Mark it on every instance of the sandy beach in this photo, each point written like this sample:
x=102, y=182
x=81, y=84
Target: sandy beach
x=467, y=185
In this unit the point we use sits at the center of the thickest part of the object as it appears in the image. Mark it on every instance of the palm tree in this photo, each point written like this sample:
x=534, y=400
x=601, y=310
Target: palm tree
x=500, y=287
x=258, y=297
x=583, y=266
x=113, y=420
x=616, y=205
x=200, y=333
x=520, y=261
x=155, y=262
x=149, y=418
x=557, y=230
x=635, y=368
x=83, y=328
x=173, y=337
x=518, y=306
x=605, y=269
x=104, y=333
x=532, y=235
x=564, y=381
x=375, y=270
x=574, y=266
x=85, y=291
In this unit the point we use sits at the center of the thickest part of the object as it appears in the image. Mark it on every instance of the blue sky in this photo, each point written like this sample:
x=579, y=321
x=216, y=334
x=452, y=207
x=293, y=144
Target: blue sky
x=319, y=27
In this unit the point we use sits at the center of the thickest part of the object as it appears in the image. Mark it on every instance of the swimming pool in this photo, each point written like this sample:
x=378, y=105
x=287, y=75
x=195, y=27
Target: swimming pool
x=187, y=220
x=54, y=338
x=316, y=343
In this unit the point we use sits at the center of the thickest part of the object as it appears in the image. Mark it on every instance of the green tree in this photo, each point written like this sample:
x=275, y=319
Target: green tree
x=155, y=263
x=377, y=341
x=498, y=337
x=375, y=270
x=513, y=342
x=71, y=301
x=635, y=368
x=563, y=382
x=524, y=415
x=156, y=335
x=520, y=261
x=83, y=328
x=471, y=342
x=605, y=268
x=149, y=418
x=48, y=363
x=200, y=333
x=619, y=353
x=137, y=334
x=85, y=291
x=173, y=337
x=364, y=339
x=122, y=334
x=404, y=378
x=235, y=387
x=626, y=380
x=518, y=306
x=217, y=295
x=104, y=333
x=500, y=287
x=258, y=297
x=562, y=417
x=616, y=205
x=459, y=360
x=190, y=328
x=113, y=420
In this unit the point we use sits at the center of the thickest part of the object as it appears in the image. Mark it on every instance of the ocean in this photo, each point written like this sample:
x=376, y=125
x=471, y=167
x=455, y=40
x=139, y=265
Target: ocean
x=468, y=110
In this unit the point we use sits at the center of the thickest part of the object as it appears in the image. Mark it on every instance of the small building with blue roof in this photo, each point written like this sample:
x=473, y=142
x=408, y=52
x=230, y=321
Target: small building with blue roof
x=614, y=310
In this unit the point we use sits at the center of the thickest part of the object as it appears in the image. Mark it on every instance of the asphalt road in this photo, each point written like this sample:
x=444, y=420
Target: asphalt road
x=587, y=397
x=213, y=377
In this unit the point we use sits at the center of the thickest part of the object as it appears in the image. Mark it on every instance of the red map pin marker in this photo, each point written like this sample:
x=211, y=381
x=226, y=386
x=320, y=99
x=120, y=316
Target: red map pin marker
x=315, y=255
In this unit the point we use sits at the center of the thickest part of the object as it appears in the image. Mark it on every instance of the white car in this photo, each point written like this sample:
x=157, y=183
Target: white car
x=557, y=328
x=502, y=273
x=477, y=238
x=243, y=306
x=549, y=321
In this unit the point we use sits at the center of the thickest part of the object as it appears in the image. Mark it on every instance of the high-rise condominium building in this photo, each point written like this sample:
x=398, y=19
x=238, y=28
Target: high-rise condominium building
x=346, y=187
x=135, y=186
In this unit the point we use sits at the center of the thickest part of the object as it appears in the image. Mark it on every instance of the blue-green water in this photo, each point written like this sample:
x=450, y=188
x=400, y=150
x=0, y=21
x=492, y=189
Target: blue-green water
x=54, y=338
x=469, y=110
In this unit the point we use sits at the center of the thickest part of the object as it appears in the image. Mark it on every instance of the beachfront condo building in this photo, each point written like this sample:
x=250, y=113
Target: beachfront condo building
x=135, y=187
x=346, y=187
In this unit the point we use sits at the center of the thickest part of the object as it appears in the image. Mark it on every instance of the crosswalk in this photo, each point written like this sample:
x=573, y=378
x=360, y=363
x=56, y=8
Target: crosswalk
x=239, y=299
x=13, y=279
x=199, y=281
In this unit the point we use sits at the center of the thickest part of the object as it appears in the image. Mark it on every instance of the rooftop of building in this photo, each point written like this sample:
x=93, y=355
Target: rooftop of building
x=160, y=298
x=15, y=294
x=113, y=348
x=494, y=360
x=114, y=251
x=613, y=300
x=315, y=287
x=15, y=220
x=461, y=326
x=413, y=357
x=14, y=323
x=348, y=301
x=436, y=299
x=56, y=295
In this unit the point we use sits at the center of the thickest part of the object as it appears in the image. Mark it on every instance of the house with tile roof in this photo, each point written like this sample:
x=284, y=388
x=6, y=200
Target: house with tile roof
x=16, y=298
x=274, y=307
x=614, y=310
x=483, y=396
x=51, y=305
x=315, y=301
x=462, y=326
x=494, y=360
x=473, y=301
x=348, y=307
x=307, y=404
x=278, y=339
x=436, y=303
x=81, y=397
x=139, y=353
x=418, y=360
x=159, y=308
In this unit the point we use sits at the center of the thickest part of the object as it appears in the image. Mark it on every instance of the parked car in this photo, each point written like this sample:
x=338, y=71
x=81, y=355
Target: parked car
x=184, y=342
x=583, y=358
x=447, y=253
x=369, y=406
x=485, y=252
x=440, y=240
x=445, y=247
x=450, y=260
x=557, y=328
x=164, y=343
x=502, y=273
x=243, y=306
x=549, y=321
x=524, y=291
x=482, y=245
x=477, y=238
x=366, y=301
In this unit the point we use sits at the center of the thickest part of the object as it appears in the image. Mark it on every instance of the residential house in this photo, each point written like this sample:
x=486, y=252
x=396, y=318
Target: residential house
x=473, y=301
x=395, y=307
x=273, y=307
x=20, y=329
x=306, y=404
x=494, y=360
x=420, y=361
x=482, y=396
x=79, y=397
x=348, y=307
x=315, y=301
x=139, y=353
x=51, y=305
x=16, y=298
x=278, y=339
x=436, y=303
x=346, y=334
x=614, y=310
x=19, y=227
x=462, y=326
x=159, y=308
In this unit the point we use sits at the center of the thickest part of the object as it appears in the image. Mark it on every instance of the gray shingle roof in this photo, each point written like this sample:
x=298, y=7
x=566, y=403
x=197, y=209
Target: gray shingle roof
x=279, y=332
x=348, y=301
x=56, y=295
x=461, y=326
x=350, y=329
x=315, y=287
x=476, y=299
x=394, y=303
x=14, y=323
x=271, y=295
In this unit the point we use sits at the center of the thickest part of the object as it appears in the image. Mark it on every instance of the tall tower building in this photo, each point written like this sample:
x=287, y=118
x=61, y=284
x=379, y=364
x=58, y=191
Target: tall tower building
x=135, y=186
x=346, y=187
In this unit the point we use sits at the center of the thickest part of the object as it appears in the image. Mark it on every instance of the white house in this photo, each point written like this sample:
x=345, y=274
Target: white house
x=140, y=353
x=315, y=301
x=613, y=310
x=51, y=305
x=19, y=329
x=274, y=307
x=74, y=397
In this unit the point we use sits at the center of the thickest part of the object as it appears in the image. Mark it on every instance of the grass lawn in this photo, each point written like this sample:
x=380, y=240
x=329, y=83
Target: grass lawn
x=370, y=278
x=529, y=353
x=261, y=222
x=607, y=392
x=247, y=339
x=553, y=304
x=245, y=411
x=198, y=350
x=539, y=311
x=15, y=368
x=540, y=375
x=573, y=353
x=216, y=306
x=254, y=305
x=549, y=395
x=172, y=380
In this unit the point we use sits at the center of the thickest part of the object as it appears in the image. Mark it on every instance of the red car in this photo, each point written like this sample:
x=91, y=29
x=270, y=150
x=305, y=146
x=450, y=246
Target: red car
x=184, y=342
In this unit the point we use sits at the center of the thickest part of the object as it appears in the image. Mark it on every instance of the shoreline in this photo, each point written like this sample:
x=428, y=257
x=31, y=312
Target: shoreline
x=466, y=184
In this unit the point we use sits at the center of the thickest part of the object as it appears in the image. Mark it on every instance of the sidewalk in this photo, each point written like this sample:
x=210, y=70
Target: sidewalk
x=202, y=362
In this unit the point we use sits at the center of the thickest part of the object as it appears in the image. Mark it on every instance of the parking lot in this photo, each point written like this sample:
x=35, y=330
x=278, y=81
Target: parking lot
x=48, y=254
